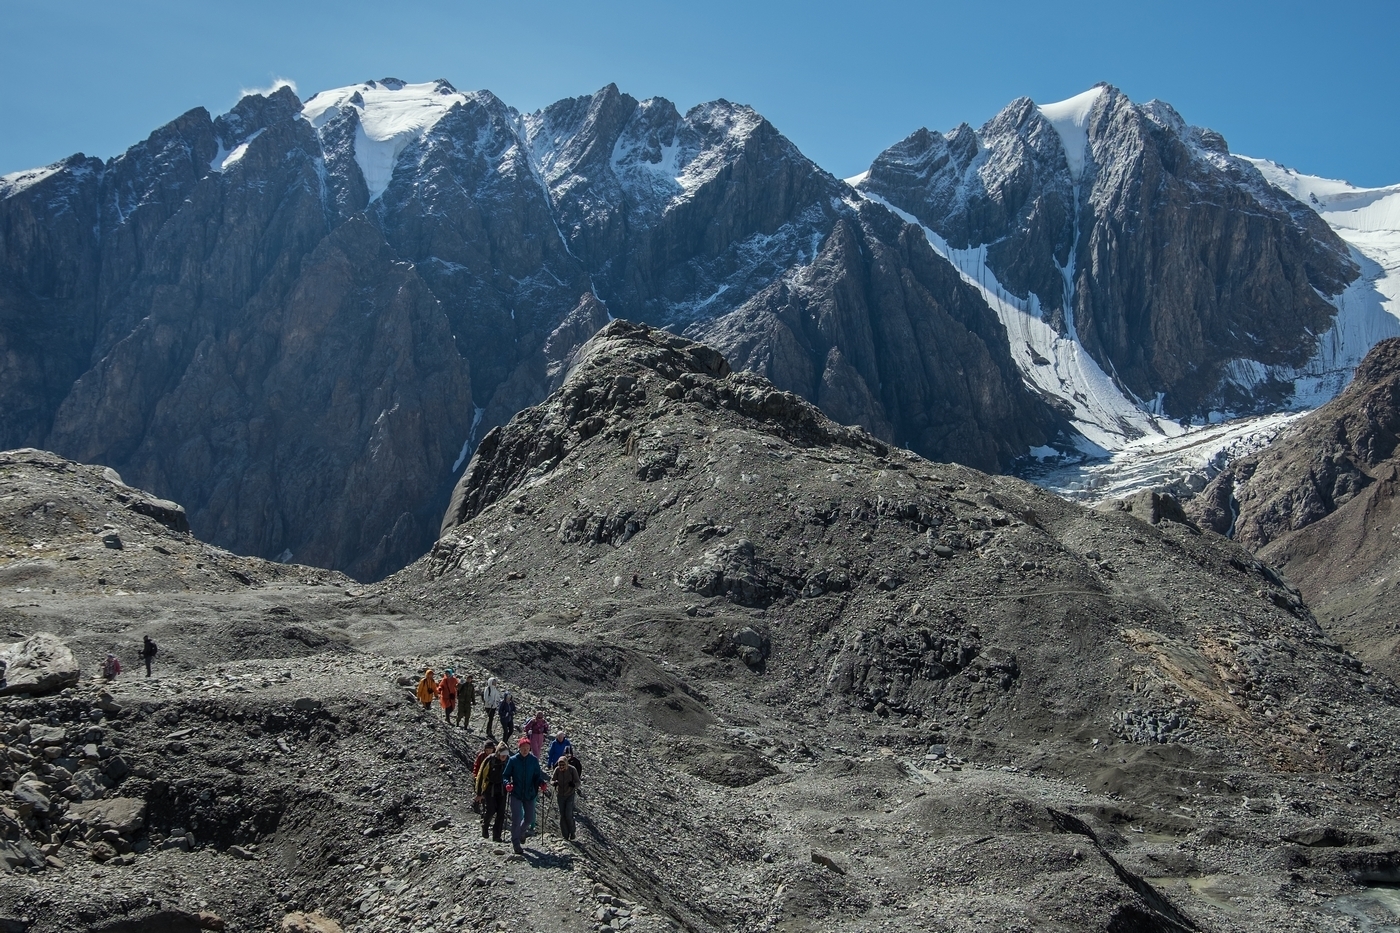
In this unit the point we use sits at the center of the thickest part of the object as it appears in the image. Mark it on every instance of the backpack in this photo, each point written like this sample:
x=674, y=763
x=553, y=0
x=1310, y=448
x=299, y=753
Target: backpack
x=153, y=649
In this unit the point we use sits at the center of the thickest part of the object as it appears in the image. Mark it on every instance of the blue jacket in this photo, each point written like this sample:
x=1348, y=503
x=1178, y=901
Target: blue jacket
x=557, y=748
x=523, y=769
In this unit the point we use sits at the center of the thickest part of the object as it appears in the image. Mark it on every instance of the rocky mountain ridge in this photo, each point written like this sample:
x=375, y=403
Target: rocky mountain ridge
x=1118, y=231
x=299, y=318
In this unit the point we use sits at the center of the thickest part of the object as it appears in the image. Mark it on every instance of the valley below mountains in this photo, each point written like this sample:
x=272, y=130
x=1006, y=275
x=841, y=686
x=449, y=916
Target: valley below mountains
x=818, y=682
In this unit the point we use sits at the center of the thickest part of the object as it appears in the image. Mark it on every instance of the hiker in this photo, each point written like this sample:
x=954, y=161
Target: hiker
x=447, y=695
x=491, y=701
x=524, y=780
x=466, y=693
x=487, y=750
x=574, y=760
x=535, y=730
x=566, y=784
x=427, y=689
x=558, y=748
x=507, y=713
x=111, y=667
x=148, y=652
x=491, y=788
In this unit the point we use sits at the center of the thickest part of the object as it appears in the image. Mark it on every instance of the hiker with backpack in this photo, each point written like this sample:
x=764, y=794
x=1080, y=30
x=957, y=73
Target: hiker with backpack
x=427, y=689
x=466, y=695
x=535, y=730
x=566, y=780
x=111, y=667
x=491, y=697
x=507, y=713
x=447, y=694
x=524, y=779
x=491, y=789
x=148, y=652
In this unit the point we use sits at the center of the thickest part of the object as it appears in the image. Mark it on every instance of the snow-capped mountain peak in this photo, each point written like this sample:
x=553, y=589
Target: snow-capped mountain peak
x=392, y=115
x=1070, y=118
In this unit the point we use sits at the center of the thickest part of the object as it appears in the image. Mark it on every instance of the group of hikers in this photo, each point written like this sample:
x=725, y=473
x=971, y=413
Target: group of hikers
x=502, y=779
x=112, y=666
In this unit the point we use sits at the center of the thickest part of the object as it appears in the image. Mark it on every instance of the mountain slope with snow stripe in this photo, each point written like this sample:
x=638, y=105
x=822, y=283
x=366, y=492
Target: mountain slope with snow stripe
x=1070, y=118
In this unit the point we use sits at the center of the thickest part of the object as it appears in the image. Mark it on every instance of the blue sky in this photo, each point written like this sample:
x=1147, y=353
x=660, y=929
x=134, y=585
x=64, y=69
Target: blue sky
x=1313, y=85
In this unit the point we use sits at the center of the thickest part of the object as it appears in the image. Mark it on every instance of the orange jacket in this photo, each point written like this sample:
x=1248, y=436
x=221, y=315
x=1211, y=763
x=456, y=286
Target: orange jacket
x=427, y=688
x=447, y=691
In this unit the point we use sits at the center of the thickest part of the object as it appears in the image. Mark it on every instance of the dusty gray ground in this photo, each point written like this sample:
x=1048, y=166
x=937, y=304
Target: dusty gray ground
x=1145, y=729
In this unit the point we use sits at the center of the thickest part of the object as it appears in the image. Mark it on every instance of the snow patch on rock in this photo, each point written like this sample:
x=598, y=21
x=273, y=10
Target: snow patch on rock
x=1070, y=118
x=15, y=182
x=392, y=116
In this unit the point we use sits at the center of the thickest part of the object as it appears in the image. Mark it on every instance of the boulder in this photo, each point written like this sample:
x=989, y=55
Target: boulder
x=17, y=852
x=91, y=784
x=40, y=664
x=315, y=922
x=170, y=514
x=32, y=793
x=124, y=814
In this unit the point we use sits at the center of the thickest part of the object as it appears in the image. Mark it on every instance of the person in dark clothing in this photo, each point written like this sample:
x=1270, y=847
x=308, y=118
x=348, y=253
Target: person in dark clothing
x=148, y=653
x=466, y=696
x=507, y=713
x=490, y=786
x=565, y=788
x=524, y=780
x=487, y=751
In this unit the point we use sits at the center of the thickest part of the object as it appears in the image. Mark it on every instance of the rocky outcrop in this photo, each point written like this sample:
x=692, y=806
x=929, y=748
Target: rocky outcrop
x=1144, y=239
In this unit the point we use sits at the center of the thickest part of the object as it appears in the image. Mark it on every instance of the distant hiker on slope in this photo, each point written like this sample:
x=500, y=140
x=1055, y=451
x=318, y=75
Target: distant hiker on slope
x=507, y=713
x=490, y=701
x=466, y=695
x=427, y=689
x=491, y=788
x=536, y=730
x=488, y=750
x=111, y=667
x=566, y=784
x=524, y=780
x=558, y=748
x=148, y=652
x=447, y=694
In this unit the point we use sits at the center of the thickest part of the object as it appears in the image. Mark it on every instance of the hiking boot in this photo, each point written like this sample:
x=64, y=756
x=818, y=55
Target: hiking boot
x=519, y=850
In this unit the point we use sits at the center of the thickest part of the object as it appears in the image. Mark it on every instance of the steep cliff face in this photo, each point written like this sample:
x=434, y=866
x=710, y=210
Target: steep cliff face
x=299, y=318
x=880, y=331
x=1192, y=282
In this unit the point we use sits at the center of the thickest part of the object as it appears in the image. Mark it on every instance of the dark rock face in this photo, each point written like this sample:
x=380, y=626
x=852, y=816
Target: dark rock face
x=880, y=331
x=1321, y=503
x=1166, y=256
x=245, y=315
